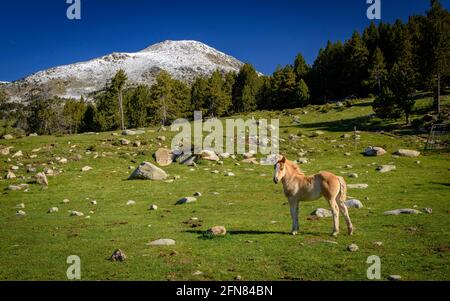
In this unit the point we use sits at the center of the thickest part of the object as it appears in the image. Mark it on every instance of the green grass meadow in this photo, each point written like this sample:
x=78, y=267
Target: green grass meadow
x=258, y=245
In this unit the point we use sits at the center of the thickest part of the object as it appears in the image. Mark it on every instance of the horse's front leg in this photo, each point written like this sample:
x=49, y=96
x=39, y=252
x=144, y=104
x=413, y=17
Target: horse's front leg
x=293, y=203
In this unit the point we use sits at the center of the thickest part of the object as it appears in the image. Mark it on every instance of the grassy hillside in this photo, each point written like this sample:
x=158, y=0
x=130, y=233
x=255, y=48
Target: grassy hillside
x=258, y=245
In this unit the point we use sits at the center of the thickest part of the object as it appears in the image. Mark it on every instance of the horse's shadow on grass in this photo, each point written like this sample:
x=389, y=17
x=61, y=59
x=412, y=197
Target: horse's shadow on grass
x=440, y=183
x=251, y=232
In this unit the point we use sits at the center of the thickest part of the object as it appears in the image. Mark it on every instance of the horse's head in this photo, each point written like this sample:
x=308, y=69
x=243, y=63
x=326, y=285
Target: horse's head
x=280, y=170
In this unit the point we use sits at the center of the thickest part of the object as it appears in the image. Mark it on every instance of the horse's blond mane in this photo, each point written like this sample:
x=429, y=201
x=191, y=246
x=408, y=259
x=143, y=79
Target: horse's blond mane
x=294, y=167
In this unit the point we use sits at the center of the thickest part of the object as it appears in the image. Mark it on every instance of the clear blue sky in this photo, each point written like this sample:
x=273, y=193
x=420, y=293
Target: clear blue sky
x=37, y=35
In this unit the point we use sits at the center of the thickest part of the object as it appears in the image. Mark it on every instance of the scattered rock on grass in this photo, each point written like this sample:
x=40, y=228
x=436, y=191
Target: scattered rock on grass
x=128, y=133
x=5, y=150
x=164, y=156
x=302, y=161
x=17, y=187
x=250, y=161
x=321, y=212
x=217, y=231
x=357, y=186
x=76, y=213
x=186, y=200
x=354, y=203
x=352, y=248
x=407, y=153
x=394, y=278
x=224, y=155
x=148, y=171
x=131, y=202
x=209, y=155
x=374, y=151
x=21, y=213
x=250, y=154
x=10, y=175
x=118, y=255
x=428, y=210
x=53, y=210
x=17, y=154
x=318, y=133
x=401, y=211
x=386, y=168
x=153, y=207
x=41, y=179
x=86, y=168
x=162, y=242
x=124, y=141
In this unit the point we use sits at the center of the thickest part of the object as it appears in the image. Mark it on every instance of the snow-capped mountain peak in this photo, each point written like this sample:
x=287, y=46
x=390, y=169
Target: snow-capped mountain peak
x=184, y=60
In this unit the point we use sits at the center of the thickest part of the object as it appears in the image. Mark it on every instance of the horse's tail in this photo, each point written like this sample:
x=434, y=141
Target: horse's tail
x=342, y=196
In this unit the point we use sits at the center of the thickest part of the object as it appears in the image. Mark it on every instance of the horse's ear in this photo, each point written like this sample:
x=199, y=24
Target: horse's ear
x=283, y=159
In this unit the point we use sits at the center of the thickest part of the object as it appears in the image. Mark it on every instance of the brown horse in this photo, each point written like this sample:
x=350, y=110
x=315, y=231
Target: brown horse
x=299, y=188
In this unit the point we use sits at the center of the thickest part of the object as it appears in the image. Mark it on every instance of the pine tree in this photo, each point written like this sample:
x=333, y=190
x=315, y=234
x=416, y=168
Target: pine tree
x=264, y=97
x=3, y=105
x=355, y=66
x=387, y=44
x=181, y=100
x=89, y=119
x=245, y=89
x=107, y=117
x=137, y=106
x=45, y=116
x=73, y=113
x=326, y=79
x=385, y=105
x=371, y=38
x=401, y=84
x=198, y=94
x=437, y=40
x=117, y=84
x=218, y=101
x=302, y=93
x=162, y=98
x=416, y=28
x=398, y=96
x=301, y=69
x=284, y=88
x=377, y=70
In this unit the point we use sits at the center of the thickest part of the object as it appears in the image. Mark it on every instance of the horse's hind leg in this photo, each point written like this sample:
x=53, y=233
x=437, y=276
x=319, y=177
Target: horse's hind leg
x=344, y=211
x=293, y=203
x=335, y=210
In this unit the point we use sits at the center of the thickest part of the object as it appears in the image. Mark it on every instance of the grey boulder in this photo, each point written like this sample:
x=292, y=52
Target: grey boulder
x=148, y=171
